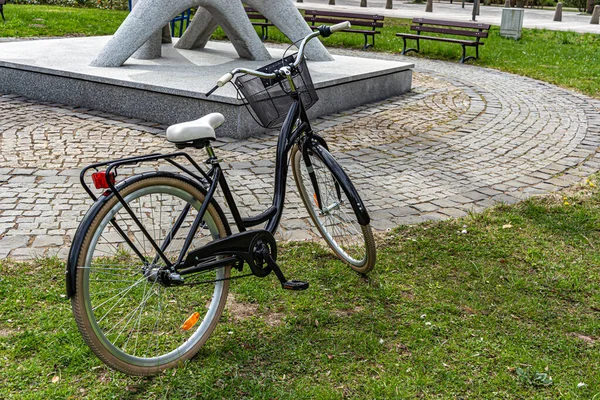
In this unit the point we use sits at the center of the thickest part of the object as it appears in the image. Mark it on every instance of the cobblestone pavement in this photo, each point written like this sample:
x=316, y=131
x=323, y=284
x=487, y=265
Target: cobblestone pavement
x=463, y=139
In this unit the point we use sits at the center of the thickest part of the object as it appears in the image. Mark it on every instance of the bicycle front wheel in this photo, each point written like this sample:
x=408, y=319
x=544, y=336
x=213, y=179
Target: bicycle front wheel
x=325, y=197
x=126, y=314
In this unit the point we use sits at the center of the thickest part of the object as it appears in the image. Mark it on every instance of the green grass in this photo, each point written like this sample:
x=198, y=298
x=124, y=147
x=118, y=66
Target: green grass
x=509, y=309
x=36, y=21
x=567, y=59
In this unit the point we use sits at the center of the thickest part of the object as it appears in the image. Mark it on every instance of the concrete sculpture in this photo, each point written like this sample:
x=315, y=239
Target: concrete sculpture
x=148, y=17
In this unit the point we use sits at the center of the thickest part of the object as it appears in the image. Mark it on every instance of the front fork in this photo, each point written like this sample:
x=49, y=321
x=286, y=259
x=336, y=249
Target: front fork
x=306, y=149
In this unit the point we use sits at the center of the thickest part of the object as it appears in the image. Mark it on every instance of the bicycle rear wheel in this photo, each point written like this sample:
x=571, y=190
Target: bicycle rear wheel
x=326, y=197
x=129, y=319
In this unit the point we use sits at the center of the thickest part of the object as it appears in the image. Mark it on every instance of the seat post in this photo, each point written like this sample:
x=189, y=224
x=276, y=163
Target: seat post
x=209, y=150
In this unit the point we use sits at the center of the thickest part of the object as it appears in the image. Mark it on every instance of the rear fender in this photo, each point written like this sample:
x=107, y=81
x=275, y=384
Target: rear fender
x=74, y=252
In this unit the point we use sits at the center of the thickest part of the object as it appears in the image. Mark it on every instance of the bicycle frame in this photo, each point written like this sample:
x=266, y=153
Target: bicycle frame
x=295, y=125
x=296, y=130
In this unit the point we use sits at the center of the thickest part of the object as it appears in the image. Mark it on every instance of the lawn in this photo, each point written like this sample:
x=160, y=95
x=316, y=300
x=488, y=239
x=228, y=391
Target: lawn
x=37, y=21
x=503, y=304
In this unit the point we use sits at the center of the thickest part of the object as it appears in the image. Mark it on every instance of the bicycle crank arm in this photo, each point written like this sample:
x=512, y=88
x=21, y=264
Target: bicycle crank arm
x=288, y=285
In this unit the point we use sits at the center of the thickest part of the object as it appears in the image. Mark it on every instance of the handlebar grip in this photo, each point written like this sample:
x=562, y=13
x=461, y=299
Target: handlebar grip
x=340, y=26
x=224, y=79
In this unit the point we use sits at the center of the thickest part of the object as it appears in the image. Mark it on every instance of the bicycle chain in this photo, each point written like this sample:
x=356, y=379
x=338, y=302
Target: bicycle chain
x=216, y=280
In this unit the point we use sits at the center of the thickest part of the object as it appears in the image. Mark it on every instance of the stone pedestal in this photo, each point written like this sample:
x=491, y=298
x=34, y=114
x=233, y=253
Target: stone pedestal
x=172, y=89
x=512, y=23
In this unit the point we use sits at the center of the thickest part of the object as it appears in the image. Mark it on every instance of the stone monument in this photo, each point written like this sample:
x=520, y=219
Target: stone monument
x=147, y=19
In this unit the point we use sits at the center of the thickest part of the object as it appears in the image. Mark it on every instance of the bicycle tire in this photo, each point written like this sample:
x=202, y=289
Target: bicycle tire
x=126, y=317
x=353, y=243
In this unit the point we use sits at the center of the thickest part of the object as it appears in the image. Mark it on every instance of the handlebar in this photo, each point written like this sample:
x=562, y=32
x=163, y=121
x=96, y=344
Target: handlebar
x=323, y=30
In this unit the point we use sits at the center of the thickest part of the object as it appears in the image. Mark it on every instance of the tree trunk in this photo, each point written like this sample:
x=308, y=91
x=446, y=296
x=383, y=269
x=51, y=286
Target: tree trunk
x=363, y=3
x=332, y=2
x=388, y=4
x=590, y=6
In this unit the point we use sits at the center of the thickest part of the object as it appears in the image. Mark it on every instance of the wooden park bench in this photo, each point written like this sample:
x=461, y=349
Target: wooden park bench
x=372, y=21
x=263, y=21
x=471, y=30
x=2, y=3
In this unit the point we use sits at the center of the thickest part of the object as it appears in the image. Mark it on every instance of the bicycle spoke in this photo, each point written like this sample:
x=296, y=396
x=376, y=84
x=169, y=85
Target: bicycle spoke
x=136, y=317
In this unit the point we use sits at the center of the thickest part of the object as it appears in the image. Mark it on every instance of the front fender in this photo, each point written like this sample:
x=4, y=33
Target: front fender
x=340, y=175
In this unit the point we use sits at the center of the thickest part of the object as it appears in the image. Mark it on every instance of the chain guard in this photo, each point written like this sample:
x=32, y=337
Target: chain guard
x=251, y=246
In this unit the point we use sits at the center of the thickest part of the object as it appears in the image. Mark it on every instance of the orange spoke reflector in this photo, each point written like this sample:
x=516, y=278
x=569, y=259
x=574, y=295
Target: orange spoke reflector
x=316, y=201
x=191, y=321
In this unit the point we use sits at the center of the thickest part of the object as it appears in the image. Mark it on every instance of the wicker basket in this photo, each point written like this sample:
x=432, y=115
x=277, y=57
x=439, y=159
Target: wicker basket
x=269, y=98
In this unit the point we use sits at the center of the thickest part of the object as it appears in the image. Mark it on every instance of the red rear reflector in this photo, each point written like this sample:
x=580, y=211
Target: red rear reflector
x=100, y=181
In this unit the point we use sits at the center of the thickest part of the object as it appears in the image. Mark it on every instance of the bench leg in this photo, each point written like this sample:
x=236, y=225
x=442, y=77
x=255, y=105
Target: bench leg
x=405, y=50
x=265, y=32
x=464, y=54
x=2, y=12
x=367, y=44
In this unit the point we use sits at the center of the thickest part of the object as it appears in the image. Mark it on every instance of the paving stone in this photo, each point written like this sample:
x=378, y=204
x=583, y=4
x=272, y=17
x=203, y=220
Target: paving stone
x=452, y=212
x=445, y=203
x=505, y=199
x=9, y=243
x=402, y=211
x=425, y=207
x=50, y=240
x=463, y=139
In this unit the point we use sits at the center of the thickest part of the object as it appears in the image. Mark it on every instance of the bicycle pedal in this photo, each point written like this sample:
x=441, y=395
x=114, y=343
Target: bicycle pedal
x=295, y=285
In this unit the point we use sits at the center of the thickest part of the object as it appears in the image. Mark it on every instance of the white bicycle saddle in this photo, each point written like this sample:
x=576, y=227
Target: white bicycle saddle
x=203, y=128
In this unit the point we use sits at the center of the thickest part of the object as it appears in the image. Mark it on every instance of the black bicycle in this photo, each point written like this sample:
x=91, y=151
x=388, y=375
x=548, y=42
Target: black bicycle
x=149, y=268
